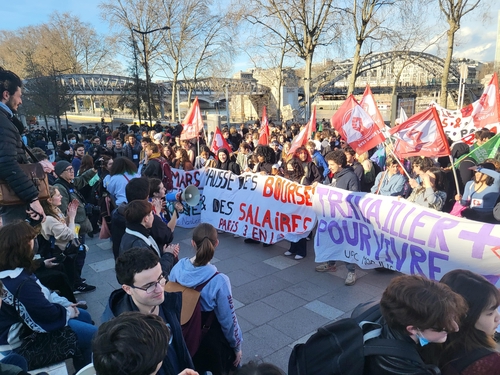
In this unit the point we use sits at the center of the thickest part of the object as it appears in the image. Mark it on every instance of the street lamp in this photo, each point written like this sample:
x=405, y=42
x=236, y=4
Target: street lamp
x=148, y=90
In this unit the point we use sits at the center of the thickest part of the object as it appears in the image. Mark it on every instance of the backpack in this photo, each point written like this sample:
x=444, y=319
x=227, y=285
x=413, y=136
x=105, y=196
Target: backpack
x=193, y=329
x=340, y=348
x=166, y=173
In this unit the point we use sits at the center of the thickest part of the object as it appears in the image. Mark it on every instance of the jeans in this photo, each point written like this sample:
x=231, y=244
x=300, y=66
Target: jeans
x=299, y=247
x=15, y=360
x=10, y=214
x=80, y=261
x=85, y=332
x=351, y=267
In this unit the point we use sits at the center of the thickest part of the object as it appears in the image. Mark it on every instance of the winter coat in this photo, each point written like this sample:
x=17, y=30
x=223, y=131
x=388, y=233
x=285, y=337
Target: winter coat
x=120, y=302
x=346, y=179
x=11, y=155
x=41, y=310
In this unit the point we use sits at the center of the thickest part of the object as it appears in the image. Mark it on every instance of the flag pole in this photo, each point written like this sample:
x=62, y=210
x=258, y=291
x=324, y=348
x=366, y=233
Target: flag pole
x=454, y=174
x=399, y=162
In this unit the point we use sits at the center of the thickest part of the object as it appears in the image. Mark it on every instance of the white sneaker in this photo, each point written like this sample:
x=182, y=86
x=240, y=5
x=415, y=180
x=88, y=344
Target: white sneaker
x=287, y=253
x=236, y=236
x=350, y=279
x=298, y=257
x=220, y=231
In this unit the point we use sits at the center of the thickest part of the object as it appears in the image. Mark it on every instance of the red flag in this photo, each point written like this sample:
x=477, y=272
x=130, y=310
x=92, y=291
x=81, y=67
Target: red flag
x=486, y=111
x=193, y=122
x=369, y=104
x=305, y=134
x=219, y=142
x=356, y=126
x=421, y=135
x=264, y=129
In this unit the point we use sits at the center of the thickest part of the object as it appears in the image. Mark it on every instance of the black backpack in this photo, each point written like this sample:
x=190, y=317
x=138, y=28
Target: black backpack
x=340, y=348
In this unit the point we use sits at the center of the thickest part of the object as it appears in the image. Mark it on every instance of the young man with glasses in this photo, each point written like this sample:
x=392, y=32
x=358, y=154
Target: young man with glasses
x=139, y=272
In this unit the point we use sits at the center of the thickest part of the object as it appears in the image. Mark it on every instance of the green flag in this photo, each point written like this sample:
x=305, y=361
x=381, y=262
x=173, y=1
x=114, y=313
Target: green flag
x=481, y=153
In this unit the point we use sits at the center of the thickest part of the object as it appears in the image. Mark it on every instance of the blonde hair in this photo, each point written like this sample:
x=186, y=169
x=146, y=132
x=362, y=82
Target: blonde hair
x=362, y=157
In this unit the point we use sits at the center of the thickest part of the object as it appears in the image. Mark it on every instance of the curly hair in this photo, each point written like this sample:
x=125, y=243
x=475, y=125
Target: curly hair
x=298, y=170
x=267, y=153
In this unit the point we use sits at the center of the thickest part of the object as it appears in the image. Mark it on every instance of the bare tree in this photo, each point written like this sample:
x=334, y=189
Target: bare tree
x=454, y=11
x=213, y=46
x=272, y=59
x=367, y=23
x=307, y=23
x=64, y=43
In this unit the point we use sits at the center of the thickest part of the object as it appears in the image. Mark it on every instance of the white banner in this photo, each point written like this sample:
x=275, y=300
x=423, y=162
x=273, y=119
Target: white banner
x=460, y=123
x=378, y=231
x=191, y=216
x=265, y=208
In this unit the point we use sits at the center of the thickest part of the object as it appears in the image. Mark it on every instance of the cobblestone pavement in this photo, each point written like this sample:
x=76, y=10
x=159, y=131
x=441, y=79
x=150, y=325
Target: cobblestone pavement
x=280, y=301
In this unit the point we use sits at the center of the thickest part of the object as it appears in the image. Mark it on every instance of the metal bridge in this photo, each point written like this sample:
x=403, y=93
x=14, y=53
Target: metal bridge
x=208, y=89
x=430, y=63
x=212, y=90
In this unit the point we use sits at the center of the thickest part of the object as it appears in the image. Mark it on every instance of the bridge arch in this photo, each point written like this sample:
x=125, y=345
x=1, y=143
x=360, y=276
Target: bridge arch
x=430, y=63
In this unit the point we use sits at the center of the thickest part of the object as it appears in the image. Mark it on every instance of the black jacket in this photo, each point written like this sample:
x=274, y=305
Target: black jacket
x=167, y=260
x=120, y=302
x=346, y=179
x=11, y=155
x=160, y=232
x=386, y=365
x=152, y=169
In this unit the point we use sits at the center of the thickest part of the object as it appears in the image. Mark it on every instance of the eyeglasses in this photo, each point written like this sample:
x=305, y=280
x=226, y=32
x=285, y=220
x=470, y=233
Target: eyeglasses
x=150, y=288
x=69, y=170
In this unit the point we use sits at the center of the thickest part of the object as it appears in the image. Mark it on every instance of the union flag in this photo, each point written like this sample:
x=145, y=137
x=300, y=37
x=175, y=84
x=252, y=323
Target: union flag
x=193, y=122
x=421, y=135
x=356, y=126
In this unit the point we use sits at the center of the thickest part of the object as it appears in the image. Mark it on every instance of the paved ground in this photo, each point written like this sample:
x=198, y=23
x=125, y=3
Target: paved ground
x=279, y=301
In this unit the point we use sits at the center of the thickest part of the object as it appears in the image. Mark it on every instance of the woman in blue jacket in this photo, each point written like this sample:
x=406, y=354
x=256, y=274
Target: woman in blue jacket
x=215, y=296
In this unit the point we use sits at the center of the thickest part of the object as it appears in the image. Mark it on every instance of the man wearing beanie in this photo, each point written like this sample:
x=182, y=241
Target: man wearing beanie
x=68, y=186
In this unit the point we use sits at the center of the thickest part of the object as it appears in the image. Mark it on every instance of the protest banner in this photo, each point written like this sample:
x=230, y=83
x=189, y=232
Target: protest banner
x=483, y=113
x=380, y=231
x=191, y=216
x=261, y=207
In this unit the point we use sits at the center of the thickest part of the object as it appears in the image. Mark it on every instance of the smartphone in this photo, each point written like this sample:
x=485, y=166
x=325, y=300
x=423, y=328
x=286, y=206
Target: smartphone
x=59, y=259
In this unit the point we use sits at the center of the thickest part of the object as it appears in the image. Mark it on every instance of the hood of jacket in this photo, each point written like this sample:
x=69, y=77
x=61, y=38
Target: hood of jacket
x=189, y=275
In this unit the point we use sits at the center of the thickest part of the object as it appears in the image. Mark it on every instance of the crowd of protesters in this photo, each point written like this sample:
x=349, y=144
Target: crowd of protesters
x=113, y=183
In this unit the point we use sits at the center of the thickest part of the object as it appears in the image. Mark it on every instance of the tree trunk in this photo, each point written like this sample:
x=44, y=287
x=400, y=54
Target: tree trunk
x=174, y=97
x=354, y=72
x=307, y=85
x=446, y=69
